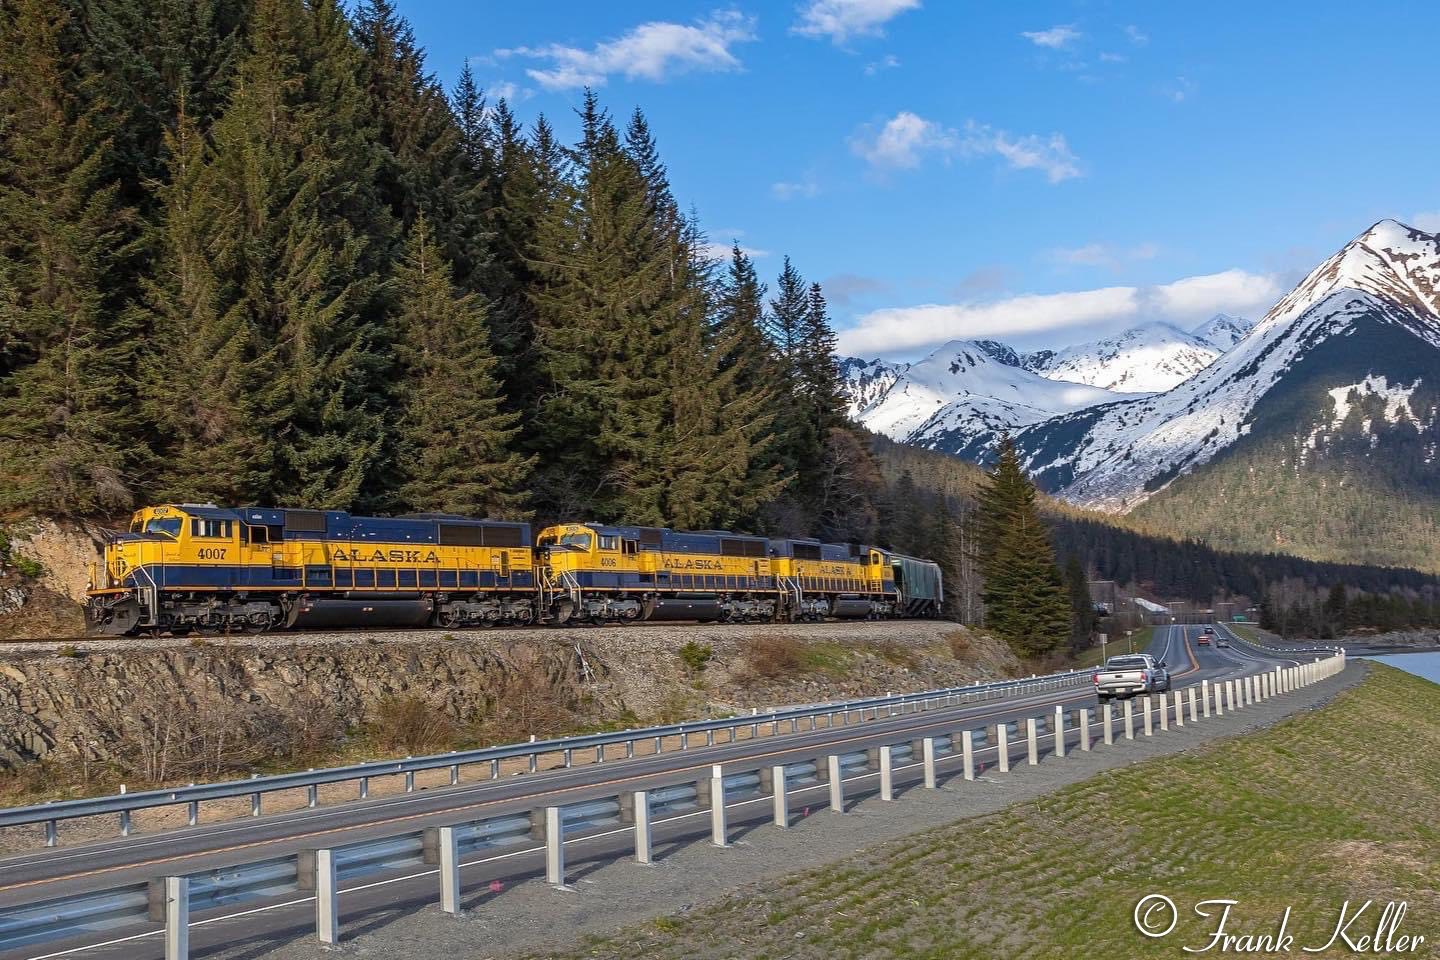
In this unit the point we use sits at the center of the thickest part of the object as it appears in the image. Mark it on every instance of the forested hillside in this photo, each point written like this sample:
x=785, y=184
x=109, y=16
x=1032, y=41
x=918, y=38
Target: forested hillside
x=255, y=254
x=1119, y=548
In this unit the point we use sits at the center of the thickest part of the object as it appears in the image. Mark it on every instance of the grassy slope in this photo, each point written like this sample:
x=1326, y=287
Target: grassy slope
x=1327, y=806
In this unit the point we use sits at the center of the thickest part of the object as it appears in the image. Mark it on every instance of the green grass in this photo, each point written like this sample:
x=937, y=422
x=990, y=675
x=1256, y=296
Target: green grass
x=1327, y=806
x=1116, y=646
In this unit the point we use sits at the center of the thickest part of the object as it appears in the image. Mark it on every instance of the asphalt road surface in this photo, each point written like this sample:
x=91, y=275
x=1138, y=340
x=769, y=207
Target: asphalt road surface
x=96, y=866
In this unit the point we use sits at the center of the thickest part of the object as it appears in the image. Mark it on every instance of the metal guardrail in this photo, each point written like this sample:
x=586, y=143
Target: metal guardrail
x=1319, y=648
x=316, y=873
x=125, y=804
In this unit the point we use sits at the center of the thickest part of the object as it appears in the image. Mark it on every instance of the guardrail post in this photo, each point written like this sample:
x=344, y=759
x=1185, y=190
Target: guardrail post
x=1129, y=719
x=554, y=848
x=327, y=905
x=640, y=806
x=779, y=801
x=1032, y=743
x=1149, y=720
x=1165, y=710
x=837, y=785
x=717, y=807
x=1280, y=680
x=1059, y=731
x=364, y=788
x=254, y=798
x=1107, y=723
x=887, y=773
x=967, y=753
x=448, y=853
x=177, y=917
x=124, y=817
x=1179, y=709
x=1190, y=699
x=1220, y=698
x=1205, y=697
x=927, y=753
x=312, y=796
x=1002, y=746
x=1084, y=728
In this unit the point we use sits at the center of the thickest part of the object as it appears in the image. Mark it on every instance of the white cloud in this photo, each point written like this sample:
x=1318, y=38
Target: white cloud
x=1429, y=222
x=1136, y=35
x=906, y=138
x=898, y=329
x=507, y=91
x=842, y=19
x=887, y=62
x=651, y=51
x=1196, y=298
x=722, y=251
x=842, y=288
x=1113, y=57
x=1103, y=255
x=806, y=186
x=1056, y=38
x=1032, y=152
x=902, y=141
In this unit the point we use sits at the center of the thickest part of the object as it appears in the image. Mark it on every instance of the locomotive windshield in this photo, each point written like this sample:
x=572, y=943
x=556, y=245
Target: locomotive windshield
x=580, y=541
x=170, y=526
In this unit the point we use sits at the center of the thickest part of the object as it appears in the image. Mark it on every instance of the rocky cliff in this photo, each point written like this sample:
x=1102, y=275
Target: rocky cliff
x=167, y=709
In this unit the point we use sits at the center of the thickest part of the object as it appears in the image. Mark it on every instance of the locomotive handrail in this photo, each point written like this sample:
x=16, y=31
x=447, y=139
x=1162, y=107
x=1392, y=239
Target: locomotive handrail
x=48, y=813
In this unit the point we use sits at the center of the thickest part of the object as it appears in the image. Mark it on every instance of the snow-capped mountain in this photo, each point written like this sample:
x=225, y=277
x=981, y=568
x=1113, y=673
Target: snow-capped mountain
x=1340, y=321
x=867, y=381
x=1223, y=331
x=1150, y=358
x=961, y=387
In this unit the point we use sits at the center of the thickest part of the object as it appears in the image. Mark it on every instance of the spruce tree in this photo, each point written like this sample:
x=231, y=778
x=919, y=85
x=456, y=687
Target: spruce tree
x=68, y=434
x=1082, y=607
x=819, y=377
x=200, y=391
x=292, y=246
x=456, y=450
x=1025, y=599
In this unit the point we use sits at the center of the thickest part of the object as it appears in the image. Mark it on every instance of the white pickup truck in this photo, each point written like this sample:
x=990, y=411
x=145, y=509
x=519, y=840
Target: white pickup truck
x=1128, y=675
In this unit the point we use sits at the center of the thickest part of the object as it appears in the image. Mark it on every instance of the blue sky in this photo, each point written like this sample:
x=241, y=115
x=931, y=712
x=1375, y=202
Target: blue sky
x=1038, y=173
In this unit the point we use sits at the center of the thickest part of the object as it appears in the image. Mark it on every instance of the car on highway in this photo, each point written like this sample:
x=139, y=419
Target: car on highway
x=1206, y=636
x=1221, y=642
x=1131, y=674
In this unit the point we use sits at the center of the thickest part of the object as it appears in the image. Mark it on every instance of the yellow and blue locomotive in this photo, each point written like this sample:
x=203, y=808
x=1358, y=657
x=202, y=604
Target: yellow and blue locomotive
x=201, y=568
x=186, y=567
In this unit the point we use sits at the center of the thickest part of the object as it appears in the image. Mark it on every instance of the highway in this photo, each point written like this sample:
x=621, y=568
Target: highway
x=65, y=871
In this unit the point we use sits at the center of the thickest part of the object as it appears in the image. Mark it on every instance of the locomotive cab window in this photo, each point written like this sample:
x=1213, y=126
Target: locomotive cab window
x=210, y=528
x=256, y=534
x=608, y=541
x=630, y=546
x=576, y=541
x=169, y=526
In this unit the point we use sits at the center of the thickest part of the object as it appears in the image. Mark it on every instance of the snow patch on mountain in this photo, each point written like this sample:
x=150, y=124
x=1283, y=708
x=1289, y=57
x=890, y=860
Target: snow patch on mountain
x=1151, y=358
x=1223, y=331
x=962, y=385
x=1395, y=407
x=867, y=381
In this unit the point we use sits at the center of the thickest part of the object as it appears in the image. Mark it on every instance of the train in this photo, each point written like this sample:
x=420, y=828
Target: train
x=198, y=568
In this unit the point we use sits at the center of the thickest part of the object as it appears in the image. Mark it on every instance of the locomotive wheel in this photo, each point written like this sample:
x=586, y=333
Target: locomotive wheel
x=256, y=625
